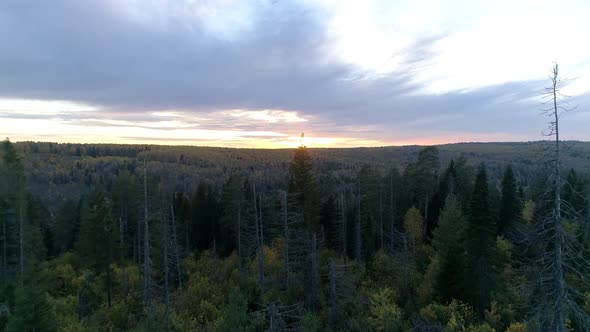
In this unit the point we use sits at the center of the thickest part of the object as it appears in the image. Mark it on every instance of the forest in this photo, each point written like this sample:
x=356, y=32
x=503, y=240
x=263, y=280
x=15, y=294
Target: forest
x=118, y=238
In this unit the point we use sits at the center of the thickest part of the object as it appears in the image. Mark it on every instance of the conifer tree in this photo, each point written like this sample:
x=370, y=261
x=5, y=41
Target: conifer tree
x=480, y=271
x=510, y=205
x=448, y=241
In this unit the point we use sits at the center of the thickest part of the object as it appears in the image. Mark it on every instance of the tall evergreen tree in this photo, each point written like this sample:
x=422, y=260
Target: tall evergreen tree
x=302, y=187
x=98, y=230
x=13, y=195
x=448, y=241
x=480, y=274
x=423, y=180
x=510, y=206
x=32, y=311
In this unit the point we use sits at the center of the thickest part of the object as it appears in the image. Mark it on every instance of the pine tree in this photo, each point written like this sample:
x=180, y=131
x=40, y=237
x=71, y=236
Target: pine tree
x=480, y=274
x=98, y=230
x=13, y=193
x=302, y=187
x=32, y=311
x=303, y=190
x=448, y=241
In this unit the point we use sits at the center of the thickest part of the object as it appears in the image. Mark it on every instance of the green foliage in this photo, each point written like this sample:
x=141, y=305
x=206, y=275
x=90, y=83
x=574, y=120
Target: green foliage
x=414, y=226
x=118, y=317
x=518, y=327
x=32, y=311
x=235, y=314
x=65, y=309
x=457, y=316
x=448, y=242
x=84, y=245
x=303, y=188
x=384, y=314
x=480, y=271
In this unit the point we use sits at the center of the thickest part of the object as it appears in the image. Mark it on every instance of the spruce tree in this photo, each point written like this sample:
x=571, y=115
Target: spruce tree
x=479, y=277
x=302, y=187
x=448, y=242
x=510, y=205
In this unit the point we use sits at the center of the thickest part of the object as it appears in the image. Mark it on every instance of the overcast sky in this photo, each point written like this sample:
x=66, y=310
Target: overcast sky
x=258, y=73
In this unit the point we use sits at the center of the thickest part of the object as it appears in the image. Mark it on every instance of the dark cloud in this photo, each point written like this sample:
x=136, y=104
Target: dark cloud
x=98, y=53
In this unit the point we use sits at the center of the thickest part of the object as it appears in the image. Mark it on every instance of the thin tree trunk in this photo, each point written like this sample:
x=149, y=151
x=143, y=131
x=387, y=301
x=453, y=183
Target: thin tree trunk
x=109, y=276
x=332, y=292
x=258, y=239
x=314, y=270
x=381, y=215
x=358, y=228
x=175, y=242
x=21, y=235
x=261, y=244
x=559, y=315
x=166, y=272
x=146, y=247
x=344, y=231
x=123, y=263
x=425, y=215
x=392, y=211
x=358, y=243
x=286, y=234
x=4, y=249
x=139, y=240
x=239, y=237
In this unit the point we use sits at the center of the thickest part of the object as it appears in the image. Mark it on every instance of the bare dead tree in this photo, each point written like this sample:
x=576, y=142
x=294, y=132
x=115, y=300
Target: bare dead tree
x=392, y=214
x=332, y=292
x=21, y=233
x=281, y=317
x=343, y=234
x=563, y=256
x=259, y=241
x=175, y=245
x=122, y=227
x=166, y=274
x=286, y=235
x=146, y=246
x=342, y=295
x=314, y=270
x=358, y=242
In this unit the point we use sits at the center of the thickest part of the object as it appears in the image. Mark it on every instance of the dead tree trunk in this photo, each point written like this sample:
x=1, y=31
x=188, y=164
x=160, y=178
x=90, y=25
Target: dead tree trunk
x=258, y=227
x=147, y=287
x=332, y=292
x=175, y=243
x=4, y=249
x=21, y=236
x=558, y=267
x=122, y=225
x=166, y=276
x=344, y=230
x=358, y=250
x=240, y=237
x=381, y=215
x=286, y=234
x=314, y=270
x=392, y=212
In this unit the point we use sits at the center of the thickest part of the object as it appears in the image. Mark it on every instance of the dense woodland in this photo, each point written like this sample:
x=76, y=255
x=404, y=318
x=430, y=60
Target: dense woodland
x=104, y=237
x=467, y=237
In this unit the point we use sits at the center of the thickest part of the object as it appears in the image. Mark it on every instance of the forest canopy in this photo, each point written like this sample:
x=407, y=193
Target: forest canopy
x=115, y=237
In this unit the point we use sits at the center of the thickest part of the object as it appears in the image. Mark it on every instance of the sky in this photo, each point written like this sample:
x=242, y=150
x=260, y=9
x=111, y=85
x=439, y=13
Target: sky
x=257, y=73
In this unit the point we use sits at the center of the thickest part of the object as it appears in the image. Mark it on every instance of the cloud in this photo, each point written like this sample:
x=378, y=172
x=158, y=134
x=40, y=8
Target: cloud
x=268, y=66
